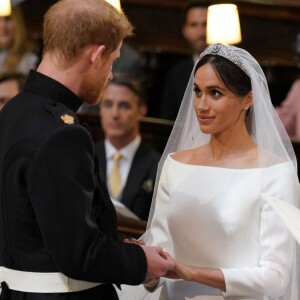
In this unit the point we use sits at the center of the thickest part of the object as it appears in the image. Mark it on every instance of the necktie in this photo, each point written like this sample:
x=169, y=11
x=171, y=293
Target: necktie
x=115, y=176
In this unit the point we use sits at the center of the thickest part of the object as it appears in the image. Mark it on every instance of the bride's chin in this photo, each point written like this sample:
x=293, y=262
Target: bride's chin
x=205, y=130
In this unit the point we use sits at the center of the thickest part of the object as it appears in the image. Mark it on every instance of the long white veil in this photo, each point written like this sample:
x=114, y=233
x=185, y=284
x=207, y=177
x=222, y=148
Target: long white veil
x=266, y=130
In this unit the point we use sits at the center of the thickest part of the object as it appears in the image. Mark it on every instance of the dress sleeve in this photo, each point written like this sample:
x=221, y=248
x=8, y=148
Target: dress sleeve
x=159, y=230
x=277, y=247
x=62, y=185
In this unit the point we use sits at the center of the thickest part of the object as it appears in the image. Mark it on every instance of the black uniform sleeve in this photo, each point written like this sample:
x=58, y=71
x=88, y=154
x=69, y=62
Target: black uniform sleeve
x=62, y=184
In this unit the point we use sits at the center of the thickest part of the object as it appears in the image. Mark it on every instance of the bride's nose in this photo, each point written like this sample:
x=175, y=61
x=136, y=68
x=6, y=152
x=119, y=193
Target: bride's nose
x=202, y=103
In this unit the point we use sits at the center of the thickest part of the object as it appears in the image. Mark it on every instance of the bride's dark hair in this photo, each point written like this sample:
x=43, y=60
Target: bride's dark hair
x=234, y=78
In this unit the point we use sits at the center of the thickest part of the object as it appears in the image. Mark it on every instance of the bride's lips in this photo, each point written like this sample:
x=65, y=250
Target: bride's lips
x=204, y=119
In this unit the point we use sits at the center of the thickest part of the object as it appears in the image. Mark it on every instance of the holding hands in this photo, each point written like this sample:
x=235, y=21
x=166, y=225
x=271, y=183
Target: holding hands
x=162, y=264
x=158, y=262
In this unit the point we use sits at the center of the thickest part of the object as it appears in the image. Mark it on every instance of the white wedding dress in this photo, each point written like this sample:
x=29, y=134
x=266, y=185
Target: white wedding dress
x=215, y=217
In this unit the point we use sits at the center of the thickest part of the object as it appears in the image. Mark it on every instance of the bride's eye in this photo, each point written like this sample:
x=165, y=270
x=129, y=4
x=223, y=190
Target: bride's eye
x=197, y=91
x=216, y=93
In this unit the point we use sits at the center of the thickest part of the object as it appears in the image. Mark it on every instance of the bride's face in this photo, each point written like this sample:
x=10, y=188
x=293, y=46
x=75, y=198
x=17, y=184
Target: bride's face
x=218, y=109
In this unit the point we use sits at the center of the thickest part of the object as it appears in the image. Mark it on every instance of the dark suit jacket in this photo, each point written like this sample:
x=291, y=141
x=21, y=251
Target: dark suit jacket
x=174, y=89
x=55, y=210
x=138, y=190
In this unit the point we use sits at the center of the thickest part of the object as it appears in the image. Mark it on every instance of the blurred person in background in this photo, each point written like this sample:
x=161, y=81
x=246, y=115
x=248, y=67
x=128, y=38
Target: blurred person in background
x=194, y=31
x=121, y=109
x=16, y=50
x=10, y=85
x=289, y=111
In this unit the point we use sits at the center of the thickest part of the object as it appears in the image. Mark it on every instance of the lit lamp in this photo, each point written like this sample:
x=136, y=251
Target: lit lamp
x=223, y=24
x=116, y=4
x=5, y=8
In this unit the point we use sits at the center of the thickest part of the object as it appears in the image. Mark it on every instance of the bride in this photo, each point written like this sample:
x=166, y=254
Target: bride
x=227, y=151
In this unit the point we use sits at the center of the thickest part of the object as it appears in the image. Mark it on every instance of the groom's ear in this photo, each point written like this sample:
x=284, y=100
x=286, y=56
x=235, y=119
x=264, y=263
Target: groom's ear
x=96, y=53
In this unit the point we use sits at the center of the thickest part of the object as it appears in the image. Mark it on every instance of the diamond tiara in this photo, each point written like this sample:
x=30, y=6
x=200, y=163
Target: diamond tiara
x=222, y=50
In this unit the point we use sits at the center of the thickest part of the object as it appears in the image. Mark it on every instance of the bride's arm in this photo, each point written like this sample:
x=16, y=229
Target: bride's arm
x=209, y=276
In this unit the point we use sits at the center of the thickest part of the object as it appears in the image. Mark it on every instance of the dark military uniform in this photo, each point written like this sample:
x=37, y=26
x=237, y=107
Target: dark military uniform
x=55, y=210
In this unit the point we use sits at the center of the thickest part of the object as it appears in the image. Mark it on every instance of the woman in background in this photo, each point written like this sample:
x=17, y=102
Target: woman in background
x=16, y=51
x=289, y=111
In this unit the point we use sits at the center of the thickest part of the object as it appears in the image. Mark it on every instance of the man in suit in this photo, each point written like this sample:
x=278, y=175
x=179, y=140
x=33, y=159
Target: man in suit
x=194, y=31
x=121, y=109
x=58, y=237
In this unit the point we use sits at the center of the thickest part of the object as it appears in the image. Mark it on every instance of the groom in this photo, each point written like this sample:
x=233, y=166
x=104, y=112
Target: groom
x=58, y=237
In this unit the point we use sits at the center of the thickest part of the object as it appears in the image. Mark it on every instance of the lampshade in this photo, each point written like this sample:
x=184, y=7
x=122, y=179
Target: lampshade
x=116, y=4
x=223, y=24
x=5, y=8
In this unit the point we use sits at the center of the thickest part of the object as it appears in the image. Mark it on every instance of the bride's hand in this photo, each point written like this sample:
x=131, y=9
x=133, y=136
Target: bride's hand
x=171, y=273
x=181, y=271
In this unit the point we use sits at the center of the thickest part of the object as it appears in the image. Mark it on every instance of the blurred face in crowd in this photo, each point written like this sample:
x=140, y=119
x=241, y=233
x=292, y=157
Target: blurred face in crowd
x=8, y=89
x=96, y=79
x=194, y=29
x=121, y=112
x=7, y=32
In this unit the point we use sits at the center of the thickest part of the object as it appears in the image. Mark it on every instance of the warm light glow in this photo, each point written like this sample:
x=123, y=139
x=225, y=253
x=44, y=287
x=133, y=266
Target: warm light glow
x=223, y=24
x=116, y=4
x=5, y=8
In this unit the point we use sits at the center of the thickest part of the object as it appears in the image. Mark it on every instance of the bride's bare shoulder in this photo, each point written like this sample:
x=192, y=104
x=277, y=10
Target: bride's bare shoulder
x=181, y=155
x=187, y=156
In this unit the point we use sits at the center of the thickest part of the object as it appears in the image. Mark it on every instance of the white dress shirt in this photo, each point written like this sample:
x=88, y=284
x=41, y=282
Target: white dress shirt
x=125, y=162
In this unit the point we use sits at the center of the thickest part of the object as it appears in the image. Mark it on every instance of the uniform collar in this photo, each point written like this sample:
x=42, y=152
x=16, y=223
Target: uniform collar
x=40, y=84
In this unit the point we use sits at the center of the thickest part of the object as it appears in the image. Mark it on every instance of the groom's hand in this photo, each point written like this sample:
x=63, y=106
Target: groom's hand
x=157, y=262
x=134, y=241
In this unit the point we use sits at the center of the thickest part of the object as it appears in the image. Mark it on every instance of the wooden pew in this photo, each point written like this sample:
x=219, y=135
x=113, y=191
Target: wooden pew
x=130, y=228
